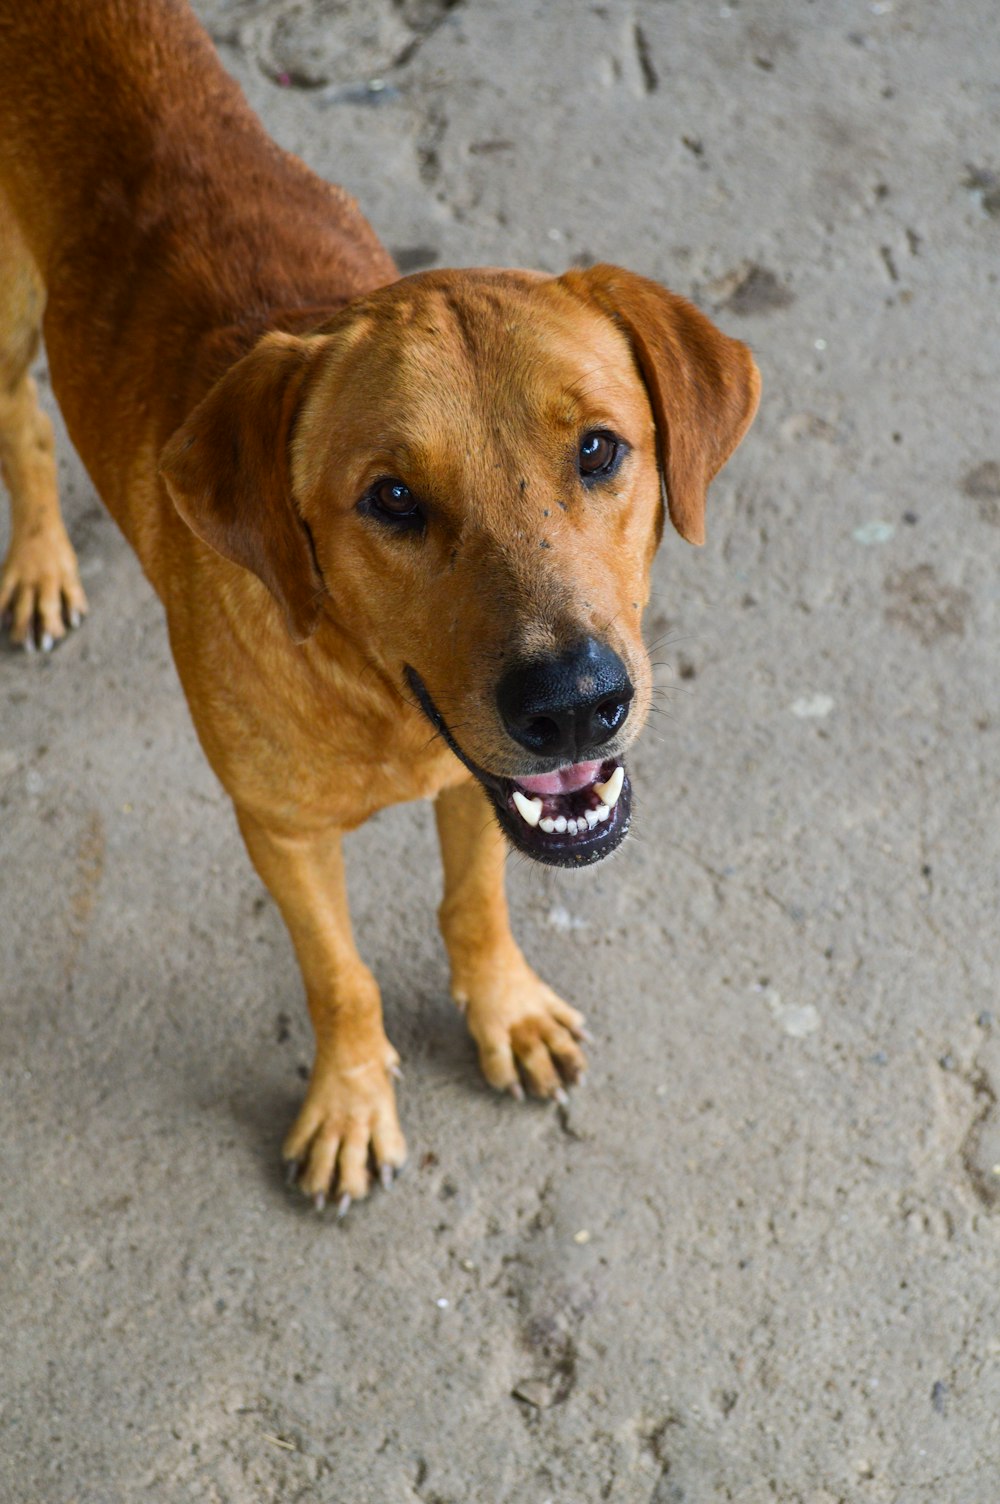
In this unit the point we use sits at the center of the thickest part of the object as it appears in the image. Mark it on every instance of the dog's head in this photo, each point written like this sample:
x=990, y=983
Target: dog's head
x=467, y=470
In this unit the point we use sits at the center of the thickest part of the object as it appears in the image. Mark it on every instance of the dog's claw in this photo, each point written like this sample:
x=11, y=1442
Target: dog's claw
x=586, y=1036
x=386, y=1175
x=394, y=1070
x=343, y=1206
x=319, y=1201
x=560, y=1096
x=517, y=1091
x=292, y=1168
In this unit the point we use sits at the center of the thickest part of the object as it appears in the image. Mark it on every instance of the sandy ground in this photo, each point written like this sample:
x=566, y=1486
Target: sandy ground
x=757, y=1259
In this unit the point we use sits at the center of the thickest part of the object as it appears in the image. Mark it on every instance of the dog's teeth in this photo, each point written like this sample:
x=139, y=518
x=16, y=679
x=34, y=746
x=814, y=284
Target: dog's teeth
x=529, y=809
x=608, y=792
x=603, y=812
x=591, y=818
x=561, y=823
x=547, y=825
x=571, y=827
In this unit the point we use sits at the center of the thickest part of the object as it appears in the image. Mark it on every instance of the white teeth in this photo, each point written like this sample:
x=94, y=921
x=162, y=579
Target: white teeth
x=529, y=809
x=603, y=812
x=561, y=823
x=591, y=818
x=547, y=825
x=608, y=792
x=571, y=827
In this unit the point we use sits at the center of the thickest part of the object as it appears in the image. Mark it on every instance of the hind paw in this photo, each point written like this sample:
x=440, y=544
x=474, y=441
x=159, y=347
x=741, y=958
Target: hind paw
x=41, y=597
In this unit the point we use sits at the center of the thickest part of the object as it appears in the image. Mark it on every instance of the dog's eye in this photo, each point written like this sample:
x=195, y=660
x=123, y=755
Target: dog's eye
x=599, y=456
x=391, y=501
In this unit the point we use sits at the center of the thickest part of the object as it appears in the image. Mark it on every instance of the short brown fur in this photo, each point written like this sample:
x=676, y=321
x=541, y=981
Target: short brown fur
x=237, y=362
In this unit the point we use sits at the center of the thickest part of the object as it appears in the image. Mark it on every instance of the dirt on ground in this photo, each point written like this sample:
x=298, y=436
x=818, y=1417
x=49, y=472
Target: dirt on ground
x=757, y=1258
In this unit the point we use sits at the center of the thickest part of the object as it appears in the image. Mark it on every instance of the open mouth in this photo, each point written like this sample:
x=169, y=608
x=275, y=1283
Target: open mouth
x=570, y=817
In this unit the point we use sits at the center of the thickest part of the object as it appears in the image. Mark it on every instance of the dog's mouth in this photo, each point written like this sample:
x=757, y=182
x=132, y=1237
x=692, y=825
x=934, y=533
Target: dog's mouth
x=573, y=816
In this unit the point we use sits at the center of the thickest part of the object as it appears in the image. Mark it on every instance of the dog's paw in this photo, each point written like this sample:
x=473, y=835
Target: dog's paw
x=347, y=1127
x=41, y=597
x=523, y=1030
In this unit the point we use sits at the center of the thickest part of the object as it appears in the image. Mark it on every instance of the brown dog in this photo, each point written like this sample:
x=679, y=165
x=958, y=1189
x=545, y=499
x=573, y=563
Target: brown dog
x=371, y=506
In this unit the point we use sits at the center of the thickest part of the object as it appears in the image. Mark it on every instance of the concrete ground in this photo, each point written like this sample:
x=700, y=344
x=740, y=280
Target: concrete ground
x=757, y=1259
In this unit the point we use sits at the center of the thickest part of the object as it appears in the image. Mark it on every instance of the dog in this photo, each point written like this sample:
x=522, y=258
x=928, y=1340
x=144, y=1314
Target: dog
x=401, y=527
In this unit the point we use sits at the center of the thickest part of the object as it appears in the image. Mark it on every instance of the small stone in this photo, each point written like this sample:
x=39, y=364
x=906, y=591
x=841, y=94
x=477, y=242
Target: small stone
x=583, y=1236
x=812, y=707
x=442, y=1303
x=534, y=1392
x=870, y=533
x=939, y=1396
x=985, y=1019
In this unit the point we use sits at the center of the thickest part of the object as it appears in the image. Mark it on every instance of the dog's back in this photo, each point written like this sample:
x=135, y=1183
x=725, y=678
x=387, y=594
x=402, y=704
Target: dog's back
x=201, y=227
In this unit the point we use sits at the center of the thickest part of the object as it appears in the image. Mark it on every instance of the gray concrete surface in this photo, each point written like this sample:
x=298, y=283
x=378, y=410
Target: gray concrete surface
x=758, y=1258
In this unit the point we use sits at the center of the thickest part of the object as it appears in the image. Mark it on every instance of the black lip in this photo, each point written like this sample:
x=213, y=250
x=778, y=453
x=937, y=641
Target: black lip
x=574, y=851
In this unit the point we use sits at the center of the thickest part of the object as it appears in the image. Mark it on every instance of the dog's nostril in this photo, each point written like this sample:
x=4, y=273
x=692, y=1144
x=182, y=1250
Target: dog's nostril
x=612, y=712
x=542, y=730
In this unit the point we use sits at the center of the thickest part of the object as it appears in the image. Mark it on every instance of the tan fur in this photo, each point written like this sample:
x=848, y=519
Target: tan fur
x=237, y=363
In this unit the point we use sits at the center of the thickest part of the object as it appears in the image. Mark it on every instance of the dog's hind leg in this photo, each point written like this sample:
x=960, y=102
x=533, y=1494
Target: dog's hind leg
x=40, y=591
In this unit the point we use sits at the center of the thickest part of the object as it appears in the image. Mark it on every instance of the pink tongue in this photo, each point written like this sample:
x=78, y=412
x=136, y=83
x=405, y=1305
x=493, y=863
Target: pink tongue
x=563, y=781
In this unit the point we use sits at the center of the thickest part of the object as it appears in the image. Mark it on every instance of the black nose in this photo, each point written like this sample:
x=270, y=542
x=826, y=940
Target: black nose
x=569, y=705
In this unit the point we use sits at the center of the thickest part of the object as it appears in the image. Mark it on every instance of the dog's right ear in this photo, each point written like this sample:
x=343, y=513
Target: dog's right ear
x=228, y=472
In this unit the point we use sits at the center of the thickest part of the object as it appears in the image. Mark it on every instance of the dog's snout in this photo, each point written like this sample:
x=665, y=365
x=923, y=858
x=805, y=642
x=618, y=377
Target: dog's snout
x=566, y=705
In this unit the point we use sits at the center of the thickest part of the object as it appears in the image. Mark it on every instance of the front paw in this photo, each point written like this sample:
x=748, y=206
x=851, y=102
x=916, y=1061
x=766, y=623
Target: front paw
x=348, y=1122
x=522, y=1029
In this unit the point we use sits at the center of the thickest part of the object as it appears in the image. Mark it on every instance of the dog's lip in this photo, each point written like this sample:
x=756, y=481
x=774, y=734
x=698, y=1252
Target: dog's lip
x=563, y=796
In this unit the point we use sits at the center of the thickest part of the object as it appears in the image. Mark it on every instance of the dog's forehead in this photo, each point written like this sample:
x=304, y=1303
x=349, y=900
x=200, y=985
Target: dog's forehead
x=513, y=349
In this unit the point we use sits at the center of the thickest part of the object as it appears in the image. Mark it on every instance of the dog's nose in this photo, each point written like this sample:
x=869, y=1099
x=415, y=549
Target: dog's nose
x=569, y=705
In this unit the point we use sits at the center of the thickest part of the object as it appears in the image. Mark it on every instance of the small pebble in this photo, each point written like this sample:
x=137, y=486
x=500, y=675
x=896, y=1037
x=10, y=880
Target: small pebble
x=583, y=1236
x=939, y=1394
x=812, y=707
x=947, y=1062
x=442, y=1303
x=880, y=1058
x=985, y=1019
x=870, y=533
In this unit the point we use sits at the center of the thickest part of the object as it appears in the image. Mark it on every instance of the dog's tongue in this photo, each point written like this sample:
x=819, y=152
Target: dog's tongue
x=563, y=781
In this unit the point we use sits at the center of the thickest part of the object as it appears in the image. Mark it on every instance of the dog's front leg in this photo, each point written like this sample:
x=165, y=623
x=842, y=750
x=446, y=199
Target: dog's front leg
x=519, y=1024
x=349, y=1114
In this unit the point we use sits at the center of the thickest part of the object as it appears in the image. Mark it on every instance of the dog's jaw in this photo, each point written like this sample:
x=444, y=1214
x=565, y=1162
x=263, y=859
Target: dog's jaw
x=564, y=821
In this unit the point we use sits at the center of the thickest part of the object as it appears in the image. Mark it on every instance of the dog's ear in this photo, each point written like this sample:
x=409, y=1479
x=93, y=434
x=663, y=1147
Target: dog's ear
x=227, y=469
x=703, y=386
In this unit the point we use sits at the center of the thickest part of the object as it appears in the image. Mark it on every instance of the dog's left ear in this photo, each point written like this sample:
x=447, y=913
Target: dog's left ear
x=703, y=386
x=227, y=469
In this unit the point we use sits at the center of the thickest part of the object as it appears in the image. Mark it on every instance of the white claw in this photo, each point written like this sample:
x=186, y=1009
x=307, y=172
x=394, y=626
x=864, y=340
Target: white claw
x=74, y=618
x=561, y=1097
x=608, y=792
x=394, y=1071
x=530, y=810
x=343, y=1205
x=47, y=643
x=385, y=1174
